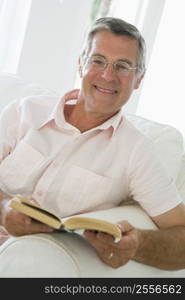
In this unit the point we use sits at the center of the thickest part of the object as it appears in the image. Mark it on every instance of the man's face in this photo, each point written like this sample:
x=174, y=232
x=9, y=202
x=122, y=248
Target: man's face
x=105, y=91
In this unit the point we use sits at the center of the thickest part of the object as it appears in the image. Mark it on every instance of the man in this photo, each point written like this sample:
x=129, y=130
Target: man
x=83, y=155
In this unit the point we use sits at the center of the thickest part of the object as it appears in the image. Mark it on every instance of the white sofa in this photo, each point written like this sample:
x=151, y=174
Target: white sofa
x=68, y=255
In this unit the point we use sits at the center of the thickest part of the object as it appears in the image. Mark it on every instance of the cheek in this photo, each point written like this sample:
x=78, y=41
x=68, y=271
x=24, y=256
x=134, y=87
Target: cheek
x=86, y=87
x=131, y=84
x=127, y=89
x=87, y=80
x=86, y=73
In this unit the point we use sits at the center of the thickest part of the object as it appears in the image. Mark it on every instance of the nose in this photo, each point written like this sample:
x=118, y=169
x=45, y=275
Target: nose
x=108, y=73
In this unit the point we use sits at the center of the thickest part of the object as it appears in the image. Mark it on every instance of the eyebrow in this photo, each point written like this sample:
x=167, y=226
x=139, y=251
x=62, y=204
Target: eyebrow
x=119, y=60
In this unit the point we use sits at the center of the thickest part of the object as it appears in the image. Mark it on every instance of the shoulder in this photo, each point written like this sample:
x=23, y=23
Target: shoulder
x=31, y=103
x=34, y=110
x=37, y=102
x=132, y=135
x=28, y=112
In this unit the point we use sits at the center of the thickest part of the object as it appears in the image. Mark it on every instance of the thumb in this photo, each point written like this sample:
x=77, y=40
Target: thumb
x=73, y=94
x=125, y=226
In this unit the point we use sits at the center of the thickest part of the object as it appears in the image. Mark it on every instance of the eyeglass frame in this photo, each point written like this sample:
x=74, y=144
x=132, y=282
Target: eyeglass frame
x=106, y=63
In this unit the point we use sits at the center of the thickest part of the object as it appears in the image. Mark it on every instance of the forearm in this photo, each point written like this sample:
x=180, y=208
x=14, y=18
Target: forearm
x=164, y=249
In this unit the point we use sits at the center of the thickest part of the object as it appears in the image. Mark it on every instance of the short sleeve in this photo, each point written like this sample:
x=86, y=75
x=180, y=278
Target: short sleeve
x=149, y=182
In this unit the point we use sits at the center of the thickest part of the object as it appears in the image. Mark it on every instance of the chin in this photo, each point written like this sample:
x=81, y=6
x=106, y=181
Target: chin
x=100, y=110
x=103, y=104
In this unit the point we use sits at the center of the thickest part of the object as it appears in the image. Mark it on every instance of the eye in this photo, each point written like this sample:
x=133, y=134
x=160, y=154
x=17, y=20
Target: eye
x=97, y=61
x=122, y=66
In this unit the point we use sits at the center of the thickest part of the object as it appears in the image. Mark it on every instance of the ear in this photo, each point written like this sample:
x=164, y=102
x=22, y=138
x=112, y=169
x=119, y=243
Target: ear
x=138, y=80
x=80, y=67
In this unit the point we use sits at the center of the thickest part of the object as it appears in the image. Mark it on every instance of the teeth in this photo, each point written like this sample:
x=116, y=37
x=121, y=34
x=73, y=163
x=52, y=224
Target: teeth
x=105, y=90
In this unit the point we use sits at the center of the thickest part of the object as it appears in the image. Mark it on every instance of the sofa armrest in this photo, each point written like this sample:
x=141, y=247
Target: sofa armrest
x=68, y=255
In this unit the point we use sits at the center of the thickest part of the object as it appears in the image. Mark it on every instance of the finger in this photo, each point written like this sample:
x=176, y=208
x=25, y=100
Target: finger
x=107, y=253
x=102, y=248
x=105, y=238
x=25, y=219
x=91, y=237
x=30, y=224
x=125, y=226
x=73, y=94
x=36, y=227
x=25, y=225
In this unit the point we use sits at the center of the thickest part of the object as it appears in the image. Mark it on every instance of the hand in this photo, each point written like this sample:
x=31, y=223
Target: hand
x=71, y=95
x=111, y=253
x=18, y=224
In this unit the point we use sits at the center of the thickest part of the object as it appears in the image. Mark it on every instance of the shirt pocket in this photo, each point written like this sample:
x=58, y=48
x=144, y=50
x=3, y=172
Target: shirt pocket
x=83, y=190
x=16, y=170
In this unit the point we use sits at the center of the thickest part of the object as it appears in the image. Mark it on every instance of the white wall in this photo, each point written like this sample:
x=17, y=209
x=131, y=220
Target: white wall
x=47, y=49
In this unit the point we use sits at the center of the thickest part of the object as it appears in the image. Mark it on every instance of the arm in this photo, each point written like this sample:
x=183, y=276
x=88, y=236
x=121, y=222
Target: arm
x=168, y=243
x=163, y=248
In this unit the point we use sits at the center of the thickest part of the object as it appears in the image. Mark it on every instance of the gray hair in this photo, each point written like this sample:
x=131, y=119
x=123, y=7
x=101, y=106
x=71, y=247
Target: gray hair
x=118, y=27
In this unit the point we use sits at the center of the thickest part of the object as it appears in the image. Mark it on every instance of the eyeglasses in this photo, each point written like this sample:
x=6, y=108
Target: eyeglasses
x=98, y=63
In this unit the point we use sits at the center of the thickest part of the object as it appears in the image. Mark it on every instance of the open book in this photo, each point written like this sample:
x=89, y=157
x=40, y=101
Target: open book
x=35, y=211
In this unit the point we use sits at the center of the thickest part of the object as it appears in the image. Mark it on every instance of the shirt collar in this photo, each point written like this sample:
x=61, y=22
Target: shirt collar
x=113, y=122
x=57, y=115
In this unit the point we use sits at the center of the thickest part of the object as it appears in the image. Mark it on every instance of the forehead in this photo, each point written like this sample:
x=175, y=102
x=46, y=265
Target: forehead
x=114, y=46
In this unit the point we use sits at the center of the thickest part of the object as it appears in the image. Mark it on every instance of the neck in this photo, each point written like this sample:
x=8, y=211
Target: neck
x=83, y=120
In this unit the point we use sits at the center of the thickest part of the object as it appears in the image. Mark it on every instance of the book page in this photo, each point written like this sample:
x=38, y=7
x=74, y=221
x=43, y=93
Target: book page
x=93, y=224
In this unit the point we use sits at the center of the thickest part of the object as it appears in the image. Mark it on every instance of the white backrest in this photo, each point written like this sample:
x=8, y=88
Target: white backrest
x=13, y=87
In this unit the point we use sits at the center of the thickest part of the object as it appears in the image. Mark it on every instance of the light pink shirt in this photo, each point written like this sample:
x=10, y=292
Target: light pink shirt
x=45, y=158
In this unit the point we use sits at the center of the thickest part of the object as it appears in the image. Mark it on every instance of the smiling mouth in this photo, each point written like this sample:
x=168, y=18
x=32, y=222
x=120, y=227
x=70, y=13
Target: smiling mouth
x=105, y=91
